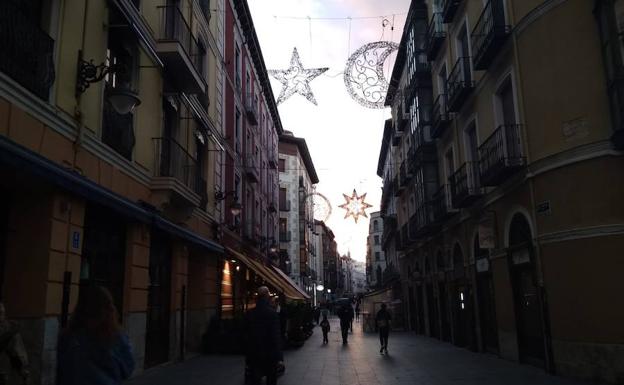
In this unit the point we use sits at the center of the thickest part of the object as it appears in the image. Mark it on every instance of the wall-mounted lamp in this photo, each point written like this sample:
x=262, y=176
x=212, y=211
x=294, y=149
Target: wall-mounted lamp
x=121, y=98
x=236, y=207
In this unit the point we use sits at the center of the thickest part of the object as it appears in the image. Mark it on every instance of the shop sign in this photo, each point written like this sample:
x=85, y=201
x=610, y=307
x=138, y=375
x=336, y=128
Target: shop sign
x=75, y=240
x=483, y=265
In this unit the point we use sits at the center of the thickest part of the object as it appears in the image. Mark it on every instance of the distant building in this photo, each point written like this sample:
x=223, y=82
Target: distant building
x=297, y=178
x=358, y=278
x=376, y=259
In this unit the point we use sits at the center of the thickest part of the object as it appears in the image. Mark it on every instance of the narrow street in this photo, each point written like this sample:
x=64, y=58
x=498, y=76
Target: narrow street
x=412, y=359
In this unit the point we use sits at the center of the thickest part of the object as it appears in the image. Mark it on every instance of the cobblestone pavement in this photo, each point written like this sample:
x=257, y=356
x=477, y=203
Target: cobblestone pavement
x=411, y=360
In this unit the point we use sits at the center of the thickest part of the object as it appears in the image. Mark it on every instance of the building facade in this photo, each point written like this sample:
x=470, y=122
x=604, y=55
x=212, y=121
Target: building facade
x=358, y=278
x=96, y=192
x=329, y=255
x=297, y=178
x=376, y=256
x=479, y=161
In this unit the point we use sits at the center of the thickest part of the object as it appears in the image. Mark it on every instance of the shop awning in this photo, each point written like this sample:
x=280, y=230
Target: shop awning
x=291, y=282
x=271, y=276
x=21, y=158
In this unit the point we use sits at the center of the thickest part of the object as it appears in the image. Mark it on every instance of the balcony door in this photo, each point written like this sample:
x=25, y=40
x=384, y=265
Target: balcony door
x=463, y=51
x=471, y=142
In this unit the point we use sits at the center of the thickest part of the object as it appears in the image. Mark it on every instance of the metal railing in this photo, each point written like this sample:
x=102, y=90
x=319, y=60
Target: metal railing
x=174, y=27
x=489, y=30
x=172, y=160
x=500, y=151
x=285, y=236
x=465, y=184
x=441, y=203
x=459, y=80
x=435, y=35
x=251, y=107
x=439, y=116
x=27, y=51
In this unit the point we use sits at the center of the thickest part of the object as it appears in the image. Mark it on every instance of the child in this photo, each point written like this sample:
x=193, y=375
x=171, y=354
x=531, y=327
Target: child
x=325, y=328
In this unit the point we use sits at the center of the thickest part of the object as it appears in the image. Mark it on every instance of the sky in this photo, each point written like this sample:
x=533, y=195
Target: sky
x=344, y=138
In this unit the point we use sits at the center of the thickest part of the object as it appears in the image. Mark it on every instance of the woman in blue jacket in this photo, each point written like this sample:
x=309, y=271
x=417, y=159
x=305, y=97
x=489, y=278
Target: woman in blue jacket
x=94, y=350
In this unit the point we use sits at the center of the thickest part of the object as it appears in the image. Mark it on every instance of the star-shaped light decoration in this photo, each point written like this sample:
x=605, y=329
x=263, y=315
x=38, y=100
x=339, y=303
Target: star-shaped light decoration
x=355, y=206
x=296, y=79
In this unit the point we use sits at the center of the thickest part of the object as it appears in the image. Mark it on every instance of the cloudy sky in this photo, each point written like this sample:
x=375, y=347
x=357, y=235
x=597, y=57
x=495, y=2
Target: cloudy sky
x=343, y=137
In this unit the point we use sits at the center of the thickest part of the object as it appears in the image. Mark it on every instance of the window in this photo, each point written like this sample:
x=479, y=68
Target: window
x=442, y=75
x=205, y=7
x=282, y=165
x=237, y=129
x=505, y=103
x=377, y=255
x=375, y=225
x=117, y=129
x=282, y=196
x=449, y=161
x=283, y=225
x=237, y=63
x=471, y=143
x=376, y=239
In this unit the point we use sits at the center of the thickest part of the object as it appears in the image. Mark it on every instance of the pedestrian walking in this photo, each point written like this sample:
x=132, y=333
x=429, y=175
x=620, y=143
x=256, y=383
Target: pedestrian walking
x=357, y=311
x=317, y=314
x=264, y=353
x=383, y=325
x=94, y=350
x=346, y=316
x=325, y=328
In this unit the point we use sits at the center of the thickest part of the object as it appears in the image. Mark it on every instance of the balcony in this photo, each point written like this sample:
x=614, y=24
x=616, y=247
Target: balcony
x=441, y=204
x=395, y=186
x=449, y=8
x=399, y=244
x=403, y=176
x=27, y=51
x=465, y=185
x=405, y=234
x=396, y=135
x=489, y=34
x=272, y=207
x=424, y=146
x=251, y=170
x=179, y=50
x=390, y=224
x=501, y=155
x=285, y=236
x=284, y=205
x=425, y=221
x=440, y=118
x=176, y=173
x=412, y=228
x=272, y=160
x=436, y=34
x=459, y=84
x=251, y=108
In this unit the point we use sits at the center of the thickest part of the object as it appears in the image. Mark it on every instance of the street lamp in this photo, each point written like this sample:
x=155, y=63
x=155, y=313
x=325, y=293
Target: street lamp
x=320, y=287
x=236, y=207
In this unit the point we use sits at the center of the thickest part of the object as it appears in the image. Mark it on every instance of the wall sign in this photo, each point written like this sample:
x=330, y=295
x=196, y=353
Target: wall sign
x=76, y=237
x=543, y=208
x=483, y=265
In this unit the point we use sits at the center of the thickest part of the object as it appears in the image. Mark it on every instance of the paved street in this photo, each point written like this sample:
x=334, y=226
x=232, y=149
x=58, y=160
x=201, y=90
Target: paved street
x=412, y=360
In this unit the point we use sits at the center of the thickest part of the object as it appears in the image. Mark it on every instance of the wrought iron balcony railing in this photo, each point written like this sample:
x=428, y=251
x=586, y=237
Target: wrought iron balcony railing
x=501, y=154
x=436, y=33
x=173, y=160
x=251, y=169
x=441, y=204
x=27, y=51
x=251, y=108
x=459, y=84
x=440, y=116
x=175, y=28
x=465, y=185
x=413, y=228
x=489, y=34
x=285, y=236
x=449, y=8
x=402, y=176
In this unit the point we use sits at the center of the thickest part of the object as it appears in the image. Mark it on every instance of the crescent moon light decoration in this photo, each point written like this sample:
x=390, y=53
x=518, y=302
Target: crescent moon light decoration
x=363, y=75
x=322, y=208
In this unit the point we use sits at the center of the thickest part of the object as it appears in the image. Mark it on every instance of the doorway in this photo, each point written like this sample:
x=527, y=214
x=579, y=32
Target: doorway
x=158, y=300
x=432, y=306
x=4, y=233
x=485, y=296
x=527, y=300
x=104, y=250
x=444, y=319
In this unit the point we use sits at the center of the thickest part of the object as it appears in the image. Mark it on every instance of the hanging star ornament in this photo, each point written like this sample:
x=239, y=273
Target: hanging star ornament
x=355, y=206
x=296, y=79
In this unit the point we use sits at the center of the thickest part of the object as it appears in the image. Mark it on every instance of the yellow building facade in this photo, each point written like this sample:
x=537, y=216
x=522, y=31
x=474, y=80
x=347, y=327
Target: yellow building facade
x=92, y=195
x=509, y=222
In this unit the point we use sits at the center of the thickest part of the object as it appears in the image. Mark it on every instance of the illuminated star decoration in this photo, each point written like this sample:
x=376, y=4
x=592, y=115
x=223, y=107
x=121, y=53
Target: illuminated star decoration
x=296, y=79
x=355, y=206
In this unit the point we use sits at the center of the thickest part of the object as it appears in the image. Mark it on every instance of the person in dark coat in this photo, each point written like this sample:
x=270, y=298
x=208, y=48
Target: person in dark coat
x=346, y=316
x=264, y=353
x=383, y=325
x=94, y=350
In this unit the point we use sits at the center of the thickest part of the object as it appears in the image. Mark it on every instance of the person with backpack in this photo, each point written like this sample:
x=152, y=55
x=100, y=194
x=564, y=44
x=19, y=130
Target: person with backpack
x=325, y=328
x=346, y=316
x=383, y=325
